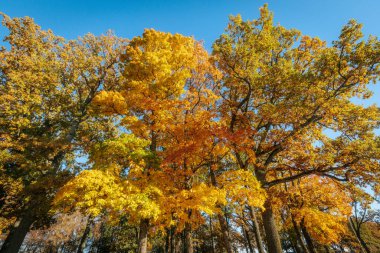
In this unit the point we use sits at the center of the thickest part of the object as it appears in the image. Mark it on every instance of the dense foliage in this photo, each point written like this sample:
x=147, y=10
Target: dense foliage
x=154, y=145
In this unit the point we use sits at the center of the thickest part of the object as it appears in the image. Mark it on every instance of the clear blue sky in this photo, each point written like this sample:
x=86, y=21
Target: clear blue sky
x=203, y=19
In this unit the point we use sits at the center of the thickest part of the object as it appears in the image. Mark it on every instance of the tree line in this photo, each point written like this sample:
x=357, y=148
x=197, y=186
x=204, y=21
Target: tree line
x=153, y=144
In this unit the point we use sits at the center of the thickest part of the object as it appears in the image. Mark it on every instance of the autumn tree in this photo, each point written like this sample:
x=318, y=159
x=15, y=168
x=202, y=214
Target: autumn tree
x=158, y=174
x=46, y=88
x=156, y=67
x=283, y=90
x=362, y=214
x=317, y=210
x=182, y=149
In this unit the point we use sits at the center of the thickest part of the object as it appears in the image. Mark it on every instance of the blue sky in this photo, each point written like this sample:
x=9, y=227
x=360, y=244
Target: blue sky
x=205, y=20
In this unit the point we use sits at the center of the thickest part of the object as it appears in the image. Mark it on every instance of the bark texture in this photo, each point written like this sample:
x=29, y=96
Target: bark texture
x=16, y=236
x=271, y=233
x=143, y=236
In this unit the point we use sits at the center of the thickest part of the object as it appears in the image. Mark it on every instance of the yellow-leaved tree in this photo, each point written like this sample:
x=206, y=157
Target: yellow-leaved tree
x=283, y=90
x=46, y=87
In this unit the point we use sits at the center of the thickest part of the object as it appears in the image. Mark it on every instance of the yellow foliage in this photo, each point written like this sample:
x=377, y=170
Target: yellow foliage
x=174, y=134
x=320, y=205
x=242, y=188
x=95, y=192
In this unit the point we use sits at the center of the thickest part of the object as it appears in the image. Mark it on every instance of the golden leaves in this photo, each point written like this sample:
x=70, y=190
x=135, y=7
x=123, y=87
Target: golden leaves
x=110, y=102
x=260, y=104
x=158, y=64
x=200, y=199
x=321, y=205
x=93, y=191
x=242, y=188
x=323, y=227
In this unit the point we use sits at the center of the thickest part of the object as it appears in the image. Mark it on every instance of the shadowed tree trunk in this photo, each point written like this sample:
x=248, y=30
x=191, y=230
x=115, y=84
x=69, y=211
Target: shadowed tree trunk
x=172, y=241
x=177, y=248
x=295, y=246
x=271, y=233
x=143, y=236
x=222, y=220
x=299, y=236
x=356, y=230
x=17, y=234
x=167, y=240
x=225, y=235
x=309, y=241
x=256, y=231
x=247, y=238
x=188, y=239
x=272, y=236
x=212, y=236
x=83, y=239
x=144, y=223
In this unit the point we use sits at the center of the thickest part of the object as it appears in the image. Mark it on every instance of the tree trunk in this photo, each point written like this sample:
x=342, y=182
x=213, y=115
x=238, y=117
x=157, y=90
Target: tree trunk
x=295, y=246
x=143, y=236
x=171, y=241
x=256, y=231
x=16, y=236
x=167, y=240
x=299, y=236
x=177, y=248
x=188, y=246
x=358, y=237
x=84, y=237
x=212, y=236
x=271, y=232
x=363, y=243
x=222, y=220
x=248, y=239
x=225, y=235
x=309, y=241
x=272, y=236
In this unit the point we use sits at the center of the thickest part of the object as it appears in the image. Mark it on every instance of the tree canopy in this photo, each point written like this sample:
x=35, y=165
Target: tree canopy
x=153, y=144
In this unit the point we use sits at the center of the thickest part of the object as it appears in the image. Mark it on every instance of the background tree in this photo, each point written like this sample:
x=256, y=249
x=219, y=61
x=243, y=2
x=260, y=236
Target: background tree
x=283, y=90
x=47, y=86
x=362, y=214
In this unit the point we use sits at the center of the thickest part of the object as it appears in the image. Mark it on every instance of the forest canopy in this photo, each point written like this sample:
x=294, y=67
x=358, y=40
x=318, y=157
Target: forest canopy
x=154, y=144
